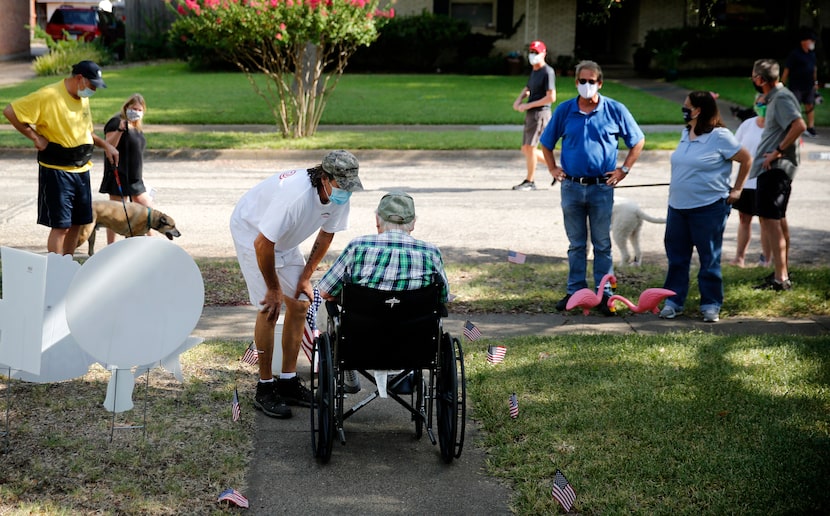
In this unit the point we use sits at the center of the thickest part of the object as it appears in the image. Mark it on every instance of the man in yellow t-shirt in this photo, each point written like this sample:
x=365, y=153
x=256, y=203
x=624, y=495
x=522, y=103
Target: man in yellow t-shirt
x=57, y=119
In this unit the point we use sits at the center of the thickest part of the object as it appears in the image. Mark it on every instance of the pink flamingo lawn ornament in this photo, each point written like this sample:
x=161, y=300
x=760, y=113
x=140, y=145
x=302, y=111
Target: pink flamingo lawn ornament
x=647, y=302
x=586, y=298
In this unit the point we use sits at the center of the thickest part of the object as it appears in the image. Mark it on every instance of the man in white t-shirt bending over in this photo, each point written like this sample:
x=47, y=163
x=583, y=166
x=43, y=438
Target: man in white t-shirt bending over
x=268, y=224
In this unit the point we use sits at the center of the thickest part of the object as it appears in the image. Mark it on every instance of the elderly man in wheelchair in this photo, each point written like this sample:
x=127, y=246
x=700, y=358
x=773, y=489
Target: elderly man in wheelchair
x=385, y=297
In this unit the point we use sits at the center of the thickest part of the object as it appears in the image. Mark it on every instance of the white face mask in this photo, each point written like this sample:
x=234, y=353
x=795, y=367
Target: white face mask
x=811, y=46
x=587, y=90
x=134, y=115
x=535, y=59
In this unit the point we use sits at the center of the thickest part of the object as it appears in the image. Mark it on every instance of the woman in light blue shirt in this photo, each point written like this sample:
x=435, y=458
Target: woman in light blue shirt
x=699, y=202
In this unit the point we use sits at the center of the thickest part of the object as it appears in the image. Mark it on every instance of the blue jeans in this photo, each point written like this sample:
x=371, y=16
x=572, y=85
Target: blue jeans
x=584, y=205
x=701, y=228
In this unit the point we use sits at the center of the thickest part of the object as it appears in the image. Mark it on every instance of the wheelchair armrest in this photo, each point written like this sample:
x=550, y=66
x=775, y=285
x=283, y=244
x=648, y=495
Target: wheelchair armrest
x=333, y=308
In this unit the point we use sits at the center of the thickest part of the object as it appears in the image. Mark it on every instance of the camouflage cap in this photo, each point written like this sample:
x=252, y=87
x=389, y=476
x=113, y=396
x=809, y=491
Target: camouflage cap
x=397, y=207
x=344, y=167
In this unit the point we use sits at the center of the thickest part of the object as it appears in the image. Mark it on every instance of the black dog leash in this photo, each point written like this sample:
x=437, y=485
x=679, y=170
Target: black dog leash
x=123, y=202
x=639, y=186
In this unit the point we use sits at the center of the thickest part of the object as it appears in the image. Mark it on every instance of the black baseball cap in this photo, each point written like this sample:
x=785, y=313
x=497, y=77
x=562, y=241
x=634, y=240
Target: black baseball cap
x=91, y=71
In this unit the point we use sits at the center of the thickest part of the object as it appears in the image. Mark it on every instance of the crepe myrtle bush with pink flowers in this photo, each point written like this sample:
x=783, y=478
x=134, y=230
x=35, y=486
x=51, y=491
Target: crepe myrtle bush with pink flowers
x=300, y=46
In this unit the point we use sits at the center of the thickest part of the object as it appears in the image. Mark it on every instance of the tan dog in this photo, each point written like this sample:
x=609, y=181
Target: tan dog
x=110, y=214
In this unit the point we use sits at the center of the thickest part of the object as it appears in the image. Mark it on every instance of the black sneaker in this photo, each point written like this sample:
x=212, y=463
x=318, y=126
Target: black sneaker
x=525, y=185
x=294, y=392
x=812, y=132
x=268, y=402
x=603, y=307
x=562, y=304
x=781, y=285
x=774, y=284
x=766, y=282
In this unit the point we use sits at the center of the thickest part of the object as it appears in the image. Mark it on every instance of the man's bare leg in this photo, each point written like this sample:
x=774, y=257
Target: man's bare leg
x=264, y=340
x=773, y=230
x=530, y=159
x=56, y=239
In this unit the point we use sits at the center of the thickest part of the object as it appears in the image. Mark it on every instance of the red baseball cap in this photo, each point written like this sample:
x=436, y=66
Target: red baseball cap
x=538, y=47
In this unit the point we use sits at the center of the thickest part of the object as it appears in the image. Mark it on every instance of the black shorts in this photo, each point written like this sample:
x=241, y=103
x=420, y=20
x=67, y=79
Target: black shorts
x=805, y=96
x=535, y=122
x=64, y=198
x=746, y=203
x=772, y=194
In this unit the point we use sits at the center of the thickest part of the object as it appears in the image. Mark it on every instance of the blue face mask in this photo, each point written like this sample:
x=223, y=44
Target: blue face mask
x=86, y=92
x=339, y=196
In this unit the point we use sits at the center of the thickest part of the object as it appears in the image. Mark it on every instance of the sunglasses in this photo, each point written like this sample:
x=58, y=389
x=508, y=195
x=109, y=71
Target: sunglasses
x=589, y=81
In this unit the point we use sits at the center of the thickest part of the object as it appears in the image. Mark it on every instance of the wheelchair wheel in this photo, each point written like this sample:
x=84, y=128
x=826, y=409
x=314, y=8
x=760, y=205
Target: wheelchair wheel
x=462, y=399
x=447, y=399
x=322, y=408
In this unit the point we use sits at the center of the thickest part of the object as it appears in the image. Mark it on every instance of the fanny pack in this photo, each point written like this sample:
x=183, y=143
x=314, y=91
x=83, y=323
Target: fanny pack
x=58, y=155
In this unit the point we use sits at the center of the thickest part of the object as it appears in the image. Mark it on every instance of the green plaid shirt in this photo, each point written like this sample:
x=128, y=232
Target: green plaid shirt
x=391, y=260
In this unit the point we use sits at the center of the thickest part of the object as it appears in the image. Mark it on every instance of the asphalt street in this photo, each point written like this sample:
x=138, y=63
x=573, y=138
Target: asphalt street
x=463, y=200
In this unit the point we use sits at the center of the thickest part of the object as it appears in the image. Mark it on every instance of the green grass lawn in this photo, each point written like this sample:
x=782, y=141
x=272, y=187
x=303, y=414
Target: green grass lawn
x=693, y=423
x=176, y=95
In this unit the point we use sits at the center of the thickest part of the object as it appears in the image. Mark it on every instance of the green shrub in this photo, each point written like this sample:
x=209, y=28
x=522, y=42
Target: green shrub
x=712, y=50
x=65, y=53
x=422, y=43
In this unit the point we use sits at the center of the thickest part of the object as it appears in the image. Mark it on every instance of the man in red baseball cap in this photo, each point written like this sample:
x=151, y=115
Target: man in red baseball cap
x=534, y=101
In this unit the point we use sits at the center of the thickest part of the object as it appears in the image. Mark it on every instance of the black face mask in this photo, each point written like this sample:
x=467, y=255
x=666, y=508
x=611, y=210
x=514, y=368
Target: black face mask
x=687, y=114
x=759, y=89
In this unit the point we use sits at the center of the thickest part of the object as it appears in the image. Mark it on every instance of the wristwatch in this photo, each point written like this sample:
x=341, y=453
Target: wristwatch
x=625, y=170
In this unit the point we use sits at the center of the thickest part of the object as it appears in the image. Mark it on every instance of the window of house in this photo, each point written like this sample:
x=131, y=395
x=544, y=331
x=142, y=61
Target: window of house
x=478, y=14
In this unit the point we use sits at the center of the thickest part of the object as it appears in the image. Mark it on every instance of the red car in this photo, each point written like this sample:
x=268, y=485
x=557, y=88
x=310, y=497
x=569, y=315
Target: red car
x=88, y=24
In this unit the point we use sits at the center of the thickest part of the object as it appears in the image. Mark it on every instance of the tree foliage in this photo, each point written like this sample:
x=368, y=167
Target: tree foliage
x=302, y=47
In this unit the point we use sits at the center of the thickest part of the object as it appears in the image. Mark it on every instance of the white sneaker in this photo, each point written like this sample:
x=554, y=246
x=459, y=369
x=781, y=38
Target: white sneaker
x=711, y=315
x=351, y=382
x=669, y=312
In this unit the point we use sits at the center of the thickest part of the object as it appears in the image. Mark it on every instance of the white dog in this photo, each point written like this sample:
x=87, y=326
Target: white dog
x=626, y=222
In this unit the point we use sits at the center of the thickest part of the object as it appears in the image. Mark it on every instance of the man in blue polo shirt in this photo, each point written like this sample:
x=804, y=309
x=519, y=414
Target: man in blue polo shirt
x=590, y=126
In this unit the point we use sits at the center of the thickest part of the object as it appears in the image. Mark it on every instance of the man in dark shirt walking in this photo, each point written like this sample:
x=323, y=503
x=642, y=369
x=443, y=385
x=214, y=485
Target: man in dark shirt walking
x=801, y=76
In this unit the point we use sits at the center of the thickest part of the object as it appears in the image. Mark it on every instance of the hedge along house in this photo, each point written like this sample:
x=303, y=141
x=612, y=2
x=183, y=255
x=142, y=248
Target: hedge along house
x=610, y=31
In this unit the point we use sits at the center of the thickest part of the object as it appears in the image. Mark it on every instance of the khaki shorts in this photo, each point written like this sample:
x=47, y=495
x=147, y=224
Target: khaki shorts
x=535, y=122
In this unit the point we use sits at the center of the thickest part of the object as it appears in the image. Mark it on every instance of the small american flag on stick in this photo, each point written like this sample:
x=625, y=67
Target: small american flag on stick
x=516, y=257
x=495, y=354
x=232, y=496
x=471, y=332
x=563, y=492
x=236, y=411
x=251, y=355
x=514, y=406
x=310, y=331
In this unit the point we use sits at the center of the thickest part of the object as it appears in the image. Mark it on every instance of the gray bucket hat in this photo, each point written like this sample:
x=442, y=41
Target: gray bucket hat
x=397, y=208
x=344, y=167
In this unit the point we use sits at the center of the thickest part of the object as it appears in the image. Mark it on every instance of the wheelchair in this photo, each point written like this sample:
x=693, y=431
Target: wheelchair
x=370, y=329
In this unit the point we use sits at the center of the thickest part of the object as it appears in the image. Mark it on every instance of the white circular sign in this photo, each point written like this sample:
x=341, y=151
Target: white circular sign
x=134, y=302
